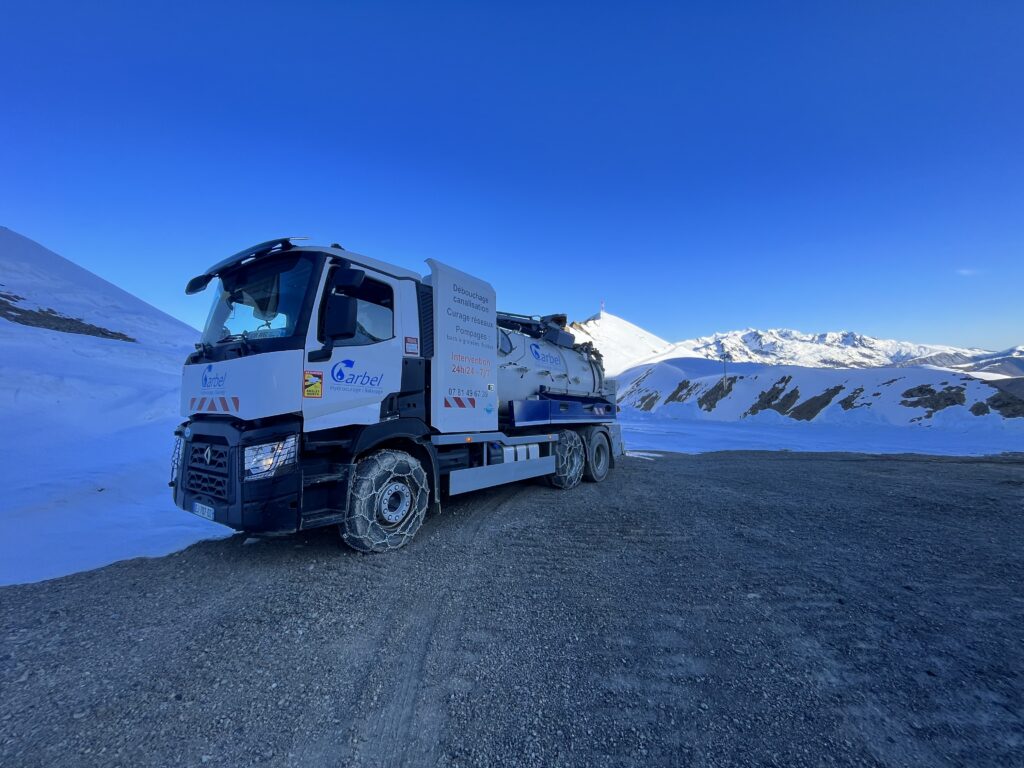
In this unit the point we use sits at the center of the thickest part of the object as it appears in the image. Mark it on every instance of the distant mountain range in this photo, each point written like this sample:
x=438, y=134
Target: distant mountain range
x=625, y=345
x=780, y=378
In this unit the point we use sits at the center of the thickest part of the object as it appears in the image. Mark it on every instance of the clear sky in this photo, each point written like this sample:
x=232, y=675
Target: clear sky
x=698, y=166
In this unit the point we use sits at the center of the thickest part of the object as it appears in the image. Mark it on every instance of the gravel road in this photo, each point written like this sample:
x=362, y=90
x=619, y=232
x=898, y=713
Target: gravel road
x=722, y=609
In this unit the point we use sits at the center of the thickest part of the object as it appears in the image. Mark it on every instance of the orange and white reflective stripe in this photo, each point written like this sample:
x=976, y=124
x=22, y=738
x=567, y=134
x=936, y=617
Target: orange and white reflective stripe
x=214, y=404
x=460, y=402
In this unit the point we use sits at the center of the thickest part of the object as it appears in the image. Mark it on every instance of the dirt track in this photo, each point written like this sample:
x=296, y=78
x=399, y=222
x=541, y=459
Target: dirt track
x=723, y=609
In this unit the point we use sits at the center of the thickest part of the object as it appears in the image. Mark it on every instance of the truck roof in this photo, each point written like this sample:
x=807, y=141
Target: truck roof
x=364, y=261
x=285, y=244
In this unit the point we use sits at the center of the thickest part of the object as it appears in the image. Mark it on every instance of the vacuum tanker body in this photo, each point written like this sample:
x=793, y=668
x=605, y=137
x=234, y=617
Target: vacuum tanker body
x=529, y=366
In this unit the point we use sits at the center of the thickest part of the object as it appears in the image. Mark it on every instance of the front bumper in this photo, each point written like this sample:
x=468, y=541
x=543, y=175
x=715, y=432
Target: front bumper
x=210, y=473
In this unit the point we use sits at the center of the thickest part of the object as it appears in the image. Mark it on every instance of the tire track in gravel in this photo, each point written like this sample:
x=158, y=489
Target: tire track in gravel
x=400, y=714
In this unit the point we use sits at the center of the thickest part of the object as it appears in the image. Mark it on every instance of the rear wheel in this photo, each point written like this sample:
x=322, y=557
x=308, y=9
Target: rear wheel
x=389, y=499
x=599, y=457
x=569, y=460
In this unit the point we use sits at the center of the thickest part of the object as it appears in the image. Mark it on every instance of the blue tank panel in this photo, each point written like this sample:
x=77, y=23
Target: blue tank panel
x=561, y=410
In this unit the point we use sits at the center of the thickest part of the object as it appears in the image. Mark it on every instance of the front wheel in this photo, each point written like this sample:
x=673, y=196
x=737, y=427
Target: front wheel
x=390, y=493
x=569, y=460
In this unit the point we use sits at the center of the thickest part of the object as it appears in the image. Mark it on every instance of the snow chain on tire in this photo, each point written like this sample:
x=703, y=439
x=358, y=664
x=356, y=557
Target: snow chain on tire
x=569, y=459
x=390, y=493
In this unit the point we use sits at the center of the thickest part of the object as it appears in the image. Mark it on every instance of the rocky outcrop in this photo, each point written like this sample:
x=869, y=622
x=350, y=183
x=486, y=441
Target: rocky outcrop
x=812, y=406
x=682, y=392
x=648, y=401
x=774, y=399
x=722, y=388
x=52, y=319
x=925, y=396
x=849, y=402
x=1009, y=406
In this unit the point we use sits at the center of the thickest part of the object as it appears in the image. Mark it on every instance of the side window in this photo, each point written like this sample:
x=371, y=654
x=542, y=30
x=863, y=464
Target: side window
x=504, y=342
x=375, y=314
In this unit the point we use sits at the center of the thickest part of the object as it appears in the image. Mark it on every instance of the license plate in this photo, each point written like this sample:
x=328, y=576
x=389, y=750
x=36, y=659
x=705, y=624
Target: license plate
x=202, y=510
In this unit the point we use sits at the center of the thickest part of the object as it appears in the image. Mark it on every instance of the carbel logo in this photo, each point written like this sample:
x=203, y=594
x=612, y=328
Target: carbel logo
x=545, y=357
x=213, y=380
x=343, y=373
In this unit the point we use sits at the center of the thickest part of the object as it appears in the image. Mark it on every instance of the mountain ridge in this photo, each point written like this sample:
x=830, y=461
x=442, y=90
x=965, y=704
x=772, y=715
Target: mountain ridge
x=783, y=346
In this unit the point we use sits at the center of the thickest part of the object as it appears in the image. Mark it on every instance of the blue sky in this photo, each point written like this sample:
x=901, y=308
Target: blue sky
x=699, y=167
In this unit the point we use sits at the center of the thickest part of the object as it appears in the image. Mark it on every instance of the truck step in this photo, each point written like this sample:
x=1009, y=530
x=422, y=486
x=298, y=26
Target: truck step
x=317, y=518
x=326, y=477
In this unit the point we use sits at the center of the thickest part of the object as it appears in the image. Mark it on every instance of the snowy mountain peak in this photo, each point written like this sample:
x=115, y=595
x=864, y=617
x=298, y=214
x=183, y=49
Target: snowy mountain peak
x=620, y=341
x=625, y=345
x=832, y=349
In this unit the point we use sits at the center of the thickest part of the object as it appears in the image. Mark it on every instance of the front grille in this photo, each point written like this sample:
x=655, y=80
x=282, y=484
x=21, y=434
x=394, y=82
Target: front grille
x=208, y=484
x=208, y=470
x=218, y=457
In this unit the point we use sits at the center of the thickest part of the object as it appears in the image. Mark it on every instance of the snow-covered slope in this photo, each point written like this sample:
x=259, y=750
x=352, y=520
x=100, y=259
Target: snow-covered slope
x=87, y=416
x=1009, y=362
x=828, y=391
x=879, y=409
x=620, y=342
x=34, y=280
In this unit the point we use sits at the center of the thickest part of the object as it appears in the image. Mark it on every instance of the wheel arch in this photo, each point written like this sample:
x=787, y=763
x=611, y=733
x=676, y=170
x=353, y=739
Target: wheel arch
x=588, y=432
x=409, y=435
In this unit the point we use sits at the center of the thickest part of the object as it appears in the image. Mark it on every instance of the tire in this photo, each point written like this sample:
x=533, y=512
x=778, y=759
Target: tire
x=569, y=460
x=389, y=497
x=599, y=457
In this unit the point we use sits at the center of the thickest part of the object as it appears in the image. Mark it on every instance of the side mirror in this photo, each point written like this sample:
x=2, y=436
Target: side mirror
x=339, y=317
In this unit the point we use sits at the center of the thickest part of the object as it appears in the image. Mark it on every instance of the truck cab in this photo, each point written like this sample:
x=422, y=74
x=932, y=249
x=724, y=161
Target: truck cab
x=330, y=388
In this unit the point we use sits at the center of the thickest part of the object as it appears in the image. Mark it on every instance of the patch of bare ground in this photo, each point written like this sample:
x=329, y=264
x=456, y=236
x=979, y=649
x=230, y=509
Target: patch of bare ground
x=849, y=402
x=774, y=399
x=925, y=396
x=52, y=319
x=1008, y=405
x=812, y=406
x=722, y=388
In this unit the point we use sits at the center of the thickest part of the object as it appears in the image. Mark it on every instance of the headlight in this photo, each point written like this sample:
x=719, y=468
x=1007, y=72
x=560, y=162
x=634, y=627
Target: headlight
x=269, y=459
x=176, y=459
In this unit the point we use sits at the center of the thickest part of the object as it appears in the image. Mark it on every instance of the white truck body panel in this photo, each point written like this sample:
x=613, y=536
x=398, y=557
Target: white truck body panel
x=252, y=387
x=349, y=387
x=464, y=374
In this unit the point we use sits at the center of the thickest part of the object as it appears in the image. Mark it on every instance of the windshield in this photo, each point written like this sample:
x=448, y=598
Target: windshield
x=263, y=302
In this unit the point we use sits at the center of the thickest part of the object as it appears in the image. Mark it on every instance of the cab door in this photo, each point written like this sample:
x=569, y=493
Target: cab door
x=362, y=371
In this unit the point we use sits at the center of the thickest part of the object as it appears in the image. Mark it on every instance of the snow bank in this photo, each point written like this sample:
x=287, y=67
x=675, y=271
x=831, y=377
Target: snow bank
x=88, y=425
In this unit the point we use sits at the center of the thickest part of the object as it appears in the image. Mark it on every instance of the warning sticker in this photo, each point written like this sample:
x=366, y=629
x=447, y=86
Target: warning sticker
x=412, y=345
x=313, y=384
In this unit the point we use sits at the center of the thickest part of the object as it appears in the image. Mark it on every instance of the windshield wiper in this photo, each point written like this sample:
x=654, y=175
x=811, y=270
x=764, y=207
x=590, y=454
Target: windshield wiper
x=244, y=346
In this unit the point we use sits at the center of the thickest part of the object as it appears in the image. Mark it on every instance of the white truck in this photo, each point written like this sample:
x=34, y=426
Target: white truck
x=333, y=389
